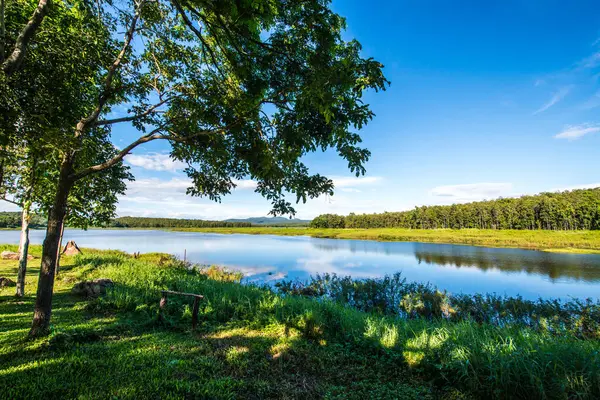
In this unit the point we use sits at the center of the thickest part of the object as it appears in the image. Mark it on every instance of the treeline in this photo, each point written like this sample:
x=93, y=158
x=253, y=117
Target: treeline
x=142, y=222
x=568, y=210
x=12, y=219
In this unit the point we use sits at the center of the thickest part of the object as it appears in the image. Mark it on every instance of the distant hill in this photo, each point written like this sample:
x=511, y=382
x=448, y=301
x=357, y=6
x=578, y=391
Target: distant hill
x=270, y=221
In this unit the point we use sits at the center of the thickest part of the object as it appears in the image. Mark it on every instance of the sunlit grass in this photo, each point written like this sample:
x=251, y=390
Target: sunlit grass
x=253, y=343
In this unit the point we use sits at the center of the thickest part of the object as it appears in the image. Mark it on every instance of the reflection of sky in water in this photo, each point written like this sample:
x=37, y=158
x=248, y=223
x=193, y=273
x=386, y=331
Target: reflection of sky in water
x=266, y=259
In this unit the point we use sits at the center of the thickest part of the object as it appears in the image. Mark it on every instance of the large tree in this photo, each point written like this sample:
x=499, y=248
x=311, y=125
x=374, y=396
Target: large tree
x=239, y=89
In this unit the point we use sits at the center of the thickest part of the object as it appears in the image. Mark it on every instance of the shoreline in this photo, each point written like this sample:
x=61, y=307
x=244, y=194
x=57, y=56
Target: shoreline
x=563, y=242
x=567, y=242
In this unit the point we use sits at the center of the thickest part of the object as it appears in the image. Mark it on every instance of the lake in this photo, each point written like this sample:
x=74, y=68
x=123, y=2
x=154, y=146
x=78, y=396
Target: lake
x=455, y=268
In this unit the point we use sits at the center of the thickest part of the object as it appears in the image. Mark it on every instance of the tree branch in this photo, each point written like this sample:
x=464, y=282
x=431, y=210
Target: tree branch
x=106, y=92
x=154, y=135
x=13, y=62
x=16, y=203
x=132, y=117
x=198, y=34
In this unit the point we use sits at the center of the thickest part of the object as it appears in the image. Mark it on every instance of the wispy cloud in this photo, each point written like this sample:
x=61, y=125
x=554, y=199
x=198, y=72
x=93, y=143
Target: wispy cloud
x=473, y=191
x=573, y=132
x=591, y=61
x=556, y=97
x=592, y=102
x=155, y=162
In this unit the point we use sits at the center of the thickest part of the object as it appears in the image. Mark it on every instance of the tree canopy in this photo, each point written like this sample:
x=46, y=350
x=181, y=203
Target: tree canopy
x=568, y=210
x=240, y=89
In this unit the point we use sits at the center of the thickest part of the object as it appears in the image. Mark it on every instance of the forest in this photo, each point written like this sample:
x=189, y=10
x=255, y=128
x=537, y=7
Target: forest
x=567, y=210
x=10, y=219
x=142, y=222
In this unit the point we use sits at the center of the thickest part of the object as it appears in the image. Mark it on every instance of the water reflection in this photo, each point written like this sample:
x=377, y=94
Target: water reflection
x=267, y=259
x=582, y=267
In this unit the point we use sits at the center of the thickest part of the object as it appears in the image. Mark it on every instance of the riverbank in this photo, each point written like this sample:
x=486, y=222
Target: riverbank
x=554, y=241
x=253, y=343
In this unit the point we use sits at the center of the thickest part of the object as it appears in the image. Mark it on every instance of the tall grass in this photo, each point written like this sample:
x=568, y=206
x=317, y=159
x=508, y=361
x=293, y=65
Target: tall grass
x=393, y=295
x=488, y=360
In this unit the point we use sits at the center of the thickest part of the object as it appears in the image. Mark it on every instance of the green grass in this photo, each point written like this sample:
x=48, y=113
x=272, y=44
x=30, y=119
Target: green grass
x=556, y=241
x=252, y=343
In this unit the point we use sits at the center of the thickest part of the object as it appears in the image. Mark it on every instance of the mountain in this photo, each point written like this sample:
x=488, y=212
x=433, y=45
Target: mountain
x=271, y=221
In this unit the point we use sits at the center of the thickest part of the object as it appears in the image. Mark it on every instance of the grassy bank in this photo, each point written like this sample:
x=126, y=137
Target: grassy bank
x=252, y=343
x=556, y=241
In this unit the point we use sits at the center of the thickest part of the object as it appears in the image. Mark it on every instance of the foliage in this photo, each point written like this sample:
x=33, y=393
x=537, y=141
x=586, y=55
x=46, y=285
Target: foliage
x=142, y=222
x=52, y=89
x=13, y=220
x=256, y=344
x=568, y=210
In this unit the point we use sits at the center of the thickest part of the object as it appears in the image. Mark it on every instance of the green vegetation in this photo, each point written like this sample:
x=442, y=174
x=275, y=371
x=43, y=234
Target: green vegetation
x=557, y=241
x=272, y=221
x=569, y=210
x=13, y=220
x=392, y=295
x=142, y=222
x=253, y=343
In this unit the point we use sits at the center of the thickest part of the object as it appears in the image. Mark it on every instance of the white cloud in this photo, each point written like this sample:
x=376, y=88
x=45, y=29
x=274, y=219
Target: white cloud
x=245, y=183
x=558, y=96
x=472, y=192
x=351, y=181
x=155, y=162
x=573, y=132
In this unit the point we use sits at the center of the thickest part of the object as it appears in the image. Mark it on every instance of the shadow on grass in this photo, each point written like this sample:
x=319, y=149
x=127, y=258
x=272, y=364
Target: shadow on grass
x=96, y=351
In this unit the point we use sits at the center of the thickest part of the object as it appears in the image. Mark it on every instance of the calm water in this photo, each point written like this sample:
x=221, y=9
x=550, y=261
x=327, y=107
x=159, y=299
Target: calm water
x=266, y=258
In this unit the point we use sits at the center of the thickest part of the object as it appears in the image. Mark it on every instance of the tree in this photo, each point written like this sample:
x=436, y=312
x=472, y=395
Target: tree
x=239, y=90
x=52, y=77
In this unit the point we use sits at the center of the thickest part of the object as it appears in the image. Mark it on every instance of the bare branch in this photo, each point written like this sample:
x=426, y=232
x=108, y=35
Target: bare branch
x=130, y=118
x=154, y=135
x=13, y=62
x=16, y=203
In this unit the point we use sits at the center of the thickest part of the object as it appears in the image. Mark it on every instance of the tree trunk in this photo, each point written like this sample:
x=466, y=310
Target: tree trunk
x=62, y=232
x=23, y=250
x=43, y=301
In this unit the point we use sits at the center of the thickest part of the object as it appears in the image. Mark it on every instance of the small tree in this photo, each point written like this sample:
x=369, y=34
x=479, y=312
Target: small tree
x=239, y=90
x=46, y=94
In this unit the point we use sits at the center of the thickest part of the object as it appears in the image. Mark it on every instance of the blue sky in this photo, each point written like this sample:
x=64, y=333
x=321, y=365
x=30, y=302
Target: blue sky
x=488, y=99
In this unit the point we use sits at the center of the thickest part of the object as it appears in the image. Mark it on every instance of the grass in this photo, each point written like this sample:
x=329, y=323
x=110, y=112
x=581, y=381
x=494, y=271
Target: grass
x=555, y=241
x=253, y=343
